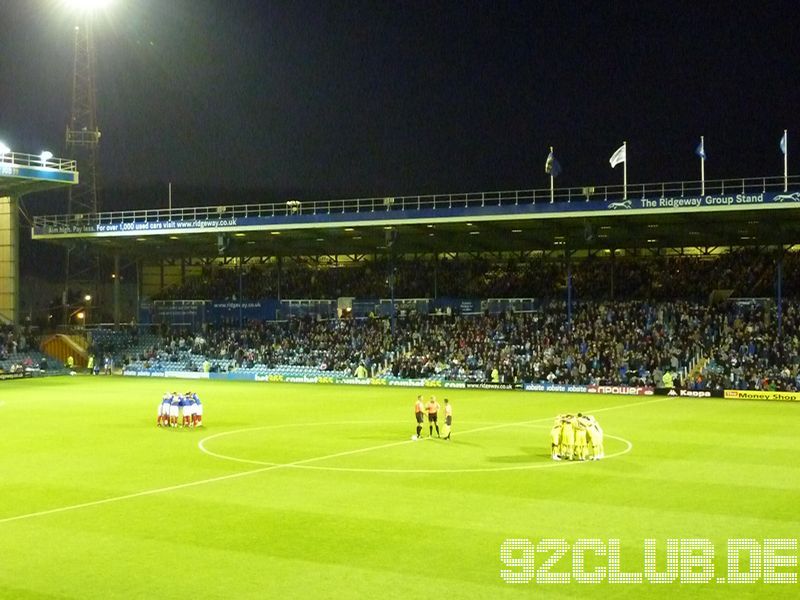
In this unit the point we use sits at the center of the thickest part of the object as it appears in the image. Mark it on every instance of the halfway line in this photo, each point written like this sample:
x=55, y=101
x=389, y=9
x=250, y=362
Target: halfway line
x=280, y=466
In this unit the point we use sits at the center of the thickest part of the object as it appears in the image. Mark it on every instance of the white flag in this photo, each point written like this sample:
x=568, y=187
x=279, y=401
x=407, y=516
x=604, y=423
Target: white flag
x=618, y=156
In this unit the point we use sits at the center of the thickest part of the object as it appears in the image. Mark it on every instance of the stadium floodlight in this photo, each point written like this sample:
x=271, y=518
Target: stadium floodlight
x=4, y=150
x=88, y=298
x=45, y=156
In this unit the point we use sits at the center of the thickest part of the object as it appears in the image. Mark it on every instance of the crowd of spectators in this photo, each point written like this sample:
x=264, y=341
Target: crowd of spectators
x=18, y=350
x=661, y=278
x=607, y=343
x=746, y=351
x=13, y=341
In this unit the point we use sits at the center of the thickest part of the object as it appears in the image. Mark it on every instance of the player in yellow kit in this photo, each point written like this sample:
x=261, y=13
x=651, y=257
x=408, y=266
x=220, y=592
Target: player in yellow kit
x=555, y=438
x=576, y=437
x=567, y=437
x=581, y=451
x=596, y=433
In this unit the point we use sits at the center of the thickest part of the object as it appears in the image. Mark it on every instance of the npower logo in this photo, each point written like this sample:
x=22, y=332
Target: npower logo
x=620, y=390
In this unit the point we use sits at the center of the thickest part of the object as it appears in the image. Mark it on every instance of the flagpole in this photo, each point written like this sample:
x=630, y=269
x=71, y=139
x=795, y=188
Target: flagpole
x=785, y=161
x=625, y=173
x=702, y=168
x=552, y=184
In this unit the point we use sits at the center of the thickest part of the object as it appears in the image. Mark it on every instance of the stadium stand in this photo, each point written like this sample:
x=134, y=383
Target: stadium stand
x=18, y=353
x=730, y=345
x=745, y=272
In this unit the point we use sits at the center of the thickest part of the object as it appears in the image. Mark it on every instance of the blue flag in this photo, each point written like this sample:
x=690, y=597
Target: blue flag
x=783, y=143
x=552, y=167
x=700, y=150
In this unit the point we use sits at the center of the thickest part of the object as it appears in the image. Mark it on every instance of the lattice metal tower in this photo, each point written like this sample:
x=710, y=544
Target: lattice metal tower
x=82, y=141
x=83, y=136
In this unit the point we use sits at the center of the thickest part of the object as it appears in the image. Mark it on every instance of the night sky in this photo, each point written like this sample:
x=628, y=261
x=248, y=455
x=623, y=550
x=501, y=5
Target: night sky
x=318, y=99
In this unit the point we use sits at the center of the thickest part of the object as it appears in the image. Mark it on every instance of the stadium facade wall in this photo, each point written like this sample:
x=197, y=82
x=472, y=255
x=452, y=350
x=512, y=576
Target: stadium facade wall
x=193, y=313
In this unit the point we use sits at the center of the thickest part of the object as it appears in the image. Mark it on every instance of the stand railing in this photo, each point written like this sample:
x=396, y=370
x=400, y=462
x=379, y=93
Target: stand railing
x=598, y=194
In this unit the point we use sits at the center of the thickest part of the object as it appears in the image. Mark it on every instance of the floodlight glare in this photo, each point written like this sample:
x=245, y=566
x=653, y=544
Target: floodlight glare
x=45, y=156
x=87, y=5
x=88, y=298
x=4, y=149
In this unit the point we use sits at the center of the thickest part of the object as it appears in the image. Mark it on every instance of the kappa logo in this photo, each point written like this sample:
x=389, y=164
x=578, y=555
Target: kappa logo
x=626, y=204
x=672, y=392
x=793, y=197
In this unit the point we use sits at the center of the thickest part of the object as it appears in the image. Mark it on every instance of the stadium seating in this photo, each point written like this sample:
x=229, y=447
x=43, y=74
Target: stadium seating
x=18, y=352
x=607, y=343
x=687, y=277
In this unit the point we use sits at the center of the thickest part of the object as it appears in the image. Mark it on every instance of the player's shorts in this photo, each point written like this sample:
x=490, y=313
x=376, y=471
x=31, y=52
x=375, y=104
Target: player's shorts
x=173, y=411
x=420, y=417
x=580, y=438
x=198, y=410
x=555, y=437
x=432, y=417
x=448, y=420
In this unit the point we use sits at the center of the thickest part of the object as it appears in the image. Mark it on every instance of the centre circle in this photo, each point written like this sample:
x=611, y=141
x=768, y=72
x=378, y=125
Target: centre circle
x=532, y=462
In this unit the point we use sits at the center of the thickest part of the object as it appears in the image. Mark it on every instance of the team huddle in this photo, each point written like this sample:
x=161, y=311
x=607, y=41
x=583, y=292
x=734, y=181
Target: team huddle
x=576, y=437
x=180, y=410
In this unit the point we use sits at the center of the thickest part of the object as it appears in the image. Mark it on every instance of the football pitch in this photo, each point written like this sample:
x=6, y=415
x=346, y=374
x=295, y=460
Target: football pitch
x=317, y=491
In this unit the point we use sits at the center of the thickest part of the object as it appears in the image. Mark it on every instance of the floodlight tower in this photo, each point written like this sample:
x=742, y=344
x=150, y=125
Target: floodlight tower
x=82, y=141
x=83, y=135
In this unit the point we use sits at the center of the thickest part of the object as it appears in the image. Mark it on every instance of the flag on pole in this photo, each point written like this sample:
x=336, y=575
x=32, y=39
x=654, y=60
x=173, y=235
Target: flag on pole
x=783, y=143
x=552, y=166
x=701, y=149
x=618, y=156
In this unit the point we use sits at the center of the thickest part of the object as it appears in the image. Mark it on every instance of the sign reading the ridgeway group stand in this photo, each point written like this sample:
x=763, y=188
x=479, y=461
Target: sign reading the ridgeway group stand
x=81, y=225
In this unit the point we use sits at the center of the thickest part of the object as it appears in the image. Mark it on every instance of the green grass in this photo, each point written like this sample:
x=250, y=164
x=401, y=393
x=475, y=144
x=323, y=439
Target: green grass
x=314, y=505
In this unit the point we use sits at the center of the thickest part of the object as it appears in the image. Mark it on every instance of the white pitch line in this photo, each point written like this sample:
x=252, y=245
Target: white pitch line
x=271, y=467
x=134, y=495
x=547, y=465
